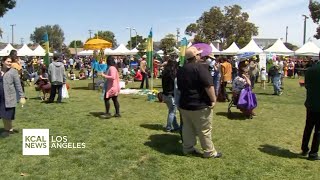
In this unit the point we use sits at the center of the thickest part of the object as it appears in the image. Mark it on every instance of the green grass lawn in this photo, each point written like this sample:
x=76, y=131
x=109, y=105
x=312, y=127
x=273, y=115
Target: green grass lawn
x=136, y=147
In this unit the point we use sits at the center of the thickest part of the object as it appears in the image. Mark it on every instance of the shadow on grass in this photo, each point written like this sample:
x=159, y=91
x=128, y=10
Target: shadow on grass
x=278, y=151
x=263, y=93
x=165, y=143
x=233, y=115
x=96, y=114
x=152, y=126
x=82, y=88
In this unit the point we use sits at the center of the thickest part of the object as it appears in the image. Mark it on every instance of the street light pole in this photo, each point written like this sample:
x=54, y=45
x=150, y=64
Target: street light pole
x=304, y=28
x=12, y=25
x=130, y=44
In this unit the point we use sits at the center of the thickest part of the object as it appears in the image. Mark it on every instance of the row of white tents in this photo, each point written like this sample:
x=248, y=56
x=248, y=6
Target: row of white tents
x=278, y=48
x=24, y=51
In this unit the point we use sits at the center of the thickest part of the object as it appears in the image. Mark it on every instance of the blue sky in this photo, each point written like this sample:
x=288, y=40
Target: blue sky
x=76, y=17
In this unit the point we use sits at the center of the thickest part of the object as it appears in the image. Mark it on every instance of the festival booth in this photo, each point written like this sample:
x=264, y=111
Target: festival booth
x=85, y=53
x=215, y=51
x=279, y=48
x=25, y=51
x=39, y=51
x=6, y=51
x=231, y=50
x=254, y=49
x=134, y=51
x=120, y=50
x=308, y=49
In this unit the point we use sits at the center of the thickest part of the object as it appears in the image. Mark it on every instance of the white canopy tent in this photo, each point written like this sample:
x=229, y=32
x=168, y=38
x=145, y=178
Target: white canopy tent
x=120, y=50
x=6, y=51
x=39, y=51
x=108, y=51
x=231, y=50
x=85, y=53
x=308, y=49
x=251, y=47
x=279, y=48
x=25, y=51
x=134, y=51
x=215, y=51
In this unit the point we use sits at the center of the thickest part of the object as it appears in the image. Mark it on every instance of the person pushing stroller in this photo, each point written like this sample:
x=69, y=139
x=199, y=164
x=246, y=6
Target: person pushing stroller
x=241, y=82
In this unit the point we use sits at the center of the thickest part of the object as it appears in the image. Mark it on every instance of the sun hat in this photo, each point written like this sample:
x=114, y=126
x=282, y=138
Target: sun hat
x=144, y=56
x=192, y=52
x=212, y=56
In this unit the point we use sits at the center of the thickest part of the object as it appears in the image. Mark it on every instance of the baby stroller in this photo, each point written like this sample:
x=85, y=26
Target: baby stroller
x=246, y=101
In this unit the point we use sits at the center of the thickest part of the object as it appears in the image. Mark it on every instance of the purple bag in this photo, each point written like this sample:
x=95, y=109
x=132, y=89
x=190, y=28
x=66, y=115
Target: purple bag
x=247, y=99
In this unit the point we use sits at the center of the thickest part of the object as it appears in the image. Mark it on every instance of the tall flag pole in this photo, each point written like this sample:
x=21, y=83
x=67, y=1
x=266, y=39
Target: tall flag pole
x=46, y=44
x=183, y=47
x=150, y=56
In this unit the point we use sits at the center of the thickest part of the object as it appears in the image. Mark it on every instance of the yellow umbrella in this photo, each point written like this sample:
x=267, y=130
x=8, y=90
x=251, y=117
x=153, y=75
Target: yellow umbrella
x=97, y=44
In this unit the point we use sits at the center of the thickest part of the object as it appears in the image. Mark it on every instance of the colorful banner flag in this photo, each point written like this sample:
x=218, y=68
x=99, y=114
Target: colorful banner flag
x=183, y=47
x=46, y=45
x=150, y=57
x=150, y=50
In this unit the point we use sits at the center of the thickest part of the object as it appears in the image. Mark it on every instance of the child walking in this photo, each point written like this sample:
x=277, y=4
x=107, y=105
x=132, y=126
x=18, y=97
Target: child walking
x=263, y=77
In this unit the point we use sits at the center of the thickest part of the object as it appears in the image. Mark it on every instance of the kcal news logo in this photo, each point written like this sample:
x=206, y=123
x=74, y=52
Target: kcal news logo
x=37, y=142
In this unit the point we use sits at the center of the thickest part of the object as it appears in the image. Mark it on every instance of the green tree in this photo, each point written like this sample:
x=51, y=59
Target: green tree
x=108, y=36
x=135, y=41
x=76, y=43
x=55, y=35
x=142, y=47
x=167, y=44
x=228, y=25
x=314, y=8
x=5, y=5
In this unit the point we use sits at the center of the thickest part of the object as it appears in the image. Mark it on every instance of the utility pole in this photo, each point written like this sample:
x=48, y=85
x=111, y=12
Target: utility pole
x=22, y=41
x=12, y=25
x=286, y=34
x=178, y=35
x=304, y=28
x=90, y=32
x=130, y=42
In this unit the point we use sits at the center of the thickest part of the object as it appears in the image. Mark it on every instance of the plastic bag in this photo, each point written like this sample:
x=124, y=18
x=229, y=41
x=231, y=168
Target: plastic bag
x=65, y=93
x=247, y=99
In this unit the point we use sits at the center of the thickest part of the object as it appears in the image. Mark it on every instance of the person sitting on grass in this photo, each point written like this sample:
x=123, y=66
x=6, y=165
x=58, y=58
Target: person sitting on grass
x=72, y=75
x=138, y=75
x=82, y=75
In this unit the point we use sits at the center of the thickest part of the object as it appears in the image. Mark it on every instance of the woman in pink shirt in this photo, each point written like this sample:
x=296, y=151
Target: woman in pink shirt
x=113, y=88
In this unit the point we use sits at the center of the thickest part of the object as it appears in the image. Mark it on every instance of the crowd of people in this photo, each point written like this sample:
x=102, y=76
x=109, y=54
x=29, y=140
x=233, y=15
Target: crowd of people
x=192, y=89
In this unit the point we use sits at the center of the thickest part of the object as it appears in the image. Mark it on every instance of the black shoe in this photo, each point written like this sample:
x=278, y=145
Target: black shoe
x=5, y=134
x=195, y=152
x=117, y=115
x=304, y=153
x=313, y=157
x=49, y=102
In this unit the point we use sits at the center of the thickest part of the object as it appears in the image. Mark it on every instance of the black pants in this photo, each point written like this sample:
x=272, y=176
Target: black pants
x=53, y=92
x=224, y=91
x=253, y=80
x=312, y=121
x=144, y=78
x=115, y=103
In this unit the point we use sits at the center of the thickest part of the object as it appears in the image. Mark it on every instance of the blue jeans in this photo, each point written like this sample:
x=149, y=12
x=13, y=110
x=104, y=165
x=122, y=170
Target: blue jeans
x=171, y=119
x=216, y=83
x=276, y=83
